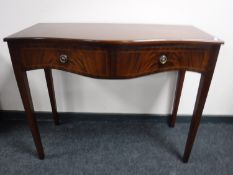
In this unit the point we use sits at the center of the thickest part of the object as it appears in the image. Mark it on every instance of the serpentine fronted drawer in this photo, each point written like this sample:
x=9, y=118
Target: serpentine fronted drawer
x=104, y=62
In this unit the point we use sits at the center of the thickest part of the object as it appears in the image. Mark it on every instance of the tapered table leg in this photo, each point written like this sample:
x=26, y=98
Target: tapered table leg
x=179, y=86
x=22, y=81
x=200, y=102
x=49, y=80
x=202, y=93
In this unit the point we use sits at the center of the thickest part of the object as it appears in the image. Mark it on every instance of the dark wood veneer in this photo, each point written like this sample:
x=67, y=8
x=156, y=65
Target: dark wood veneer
x=129, y=61
x=113, y=51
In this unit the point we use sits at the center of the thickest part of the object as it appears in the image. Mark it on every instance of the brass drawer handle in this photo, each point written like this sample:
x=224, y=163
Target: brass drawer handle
x=163, y=59
x=63, y=58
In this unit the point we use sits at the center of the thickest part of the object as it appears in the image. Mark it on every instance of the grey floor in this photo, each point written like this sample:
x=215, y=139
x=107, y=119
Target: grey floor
x=115, y=147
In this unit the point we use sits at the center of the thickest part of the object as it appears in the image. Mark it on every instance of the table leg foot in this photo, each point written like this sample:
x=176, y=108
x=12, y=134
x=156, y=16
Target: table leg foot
x=41, y=156
x=185, y=159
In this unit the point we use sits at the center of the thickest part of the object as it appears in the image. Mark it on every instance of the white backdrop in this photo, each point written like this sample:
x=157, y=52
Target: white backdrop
x=150, y=94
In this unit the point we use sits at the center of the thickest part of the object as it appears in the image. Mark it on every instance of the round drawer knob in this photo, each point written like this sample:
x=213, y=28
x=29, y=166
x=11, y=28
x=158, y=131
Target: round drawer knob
x=63, y=58
x=163, y=59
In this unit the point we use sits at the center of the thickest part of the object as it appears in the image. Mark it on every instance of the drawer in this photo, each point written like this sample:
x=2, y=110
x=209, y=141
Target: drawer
x=90, y=62
x=114, y=63
x=133, y=63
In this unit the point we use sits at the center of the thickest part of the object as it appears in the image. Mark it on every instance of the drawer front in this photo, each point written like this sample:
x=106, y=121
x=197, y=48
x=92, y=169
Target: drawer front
x=89, y=62
x=133, y=63
x=115, y=62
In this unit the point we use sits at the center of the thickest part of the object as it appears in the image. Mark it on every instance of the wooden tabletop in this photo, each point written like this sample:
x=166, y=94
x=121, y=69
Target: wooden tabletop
x=110, y=32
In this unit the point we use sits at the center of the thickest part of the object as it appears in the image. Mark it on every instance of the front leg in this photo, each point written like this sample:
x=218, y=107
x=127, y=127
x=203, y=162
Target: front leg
x=22, y=81
x=203, y=89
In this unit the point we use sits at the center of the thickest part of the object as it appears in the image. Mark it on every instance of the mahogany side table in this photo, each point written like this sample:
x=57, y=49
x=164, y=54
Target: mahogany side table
x=113, y=51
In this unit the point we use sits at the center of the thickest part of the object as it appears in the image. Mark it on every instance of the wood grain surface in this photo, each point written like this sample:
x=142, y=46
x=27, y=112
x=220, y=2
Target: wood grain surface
x=113, y=51
x=115, y=33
